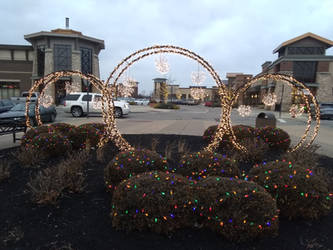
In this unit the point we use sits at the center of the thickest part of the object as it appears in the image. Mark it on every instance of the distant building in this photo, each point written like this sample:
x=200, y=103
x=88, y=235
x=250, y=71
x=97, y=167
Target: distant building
x=237, y=80
x=16, y=62
x=175, y=92
x=60, y=49
x=303, y=57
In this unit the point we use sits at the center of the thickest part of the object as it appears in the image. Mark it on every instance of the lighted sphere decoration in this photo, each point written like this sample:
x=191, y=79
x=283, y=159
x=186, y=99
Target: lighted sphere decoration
x=269, y=99
x=292, y=82
x=296, y=110
x=244, y=110
x=198, y=93
x=46, y=100
x=198, y=77
x=162, y=65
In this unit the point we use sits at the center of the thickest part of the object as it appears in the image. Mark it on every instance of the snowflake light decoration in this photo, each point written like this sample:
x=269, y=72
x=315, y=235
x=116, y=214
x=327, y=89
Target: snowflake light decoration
x=162, y=65
x=46, y=100
x=125, y=90
x=198, y=77
x=296, y=110
x=244, y=110
x=198, y=93
x=269, y=99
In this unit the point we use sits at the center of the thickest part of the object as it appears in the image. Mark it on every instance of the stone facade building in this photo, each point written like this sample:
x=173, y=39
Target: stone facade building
x=59, y=49
x=303, y=57
x=175, y=92
x=15, y=69
x=237, y=80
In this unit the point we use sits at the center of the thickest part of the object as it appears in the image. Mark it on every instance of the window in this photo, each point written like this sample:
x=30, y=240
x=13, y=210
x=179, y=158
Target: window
x=306, y=51
x=86, y=60
x=62, y=57
x=40, y=60
x=305, y=71
x=9, y=89
x=72, y=97
x=86, y=98
x=97, y=98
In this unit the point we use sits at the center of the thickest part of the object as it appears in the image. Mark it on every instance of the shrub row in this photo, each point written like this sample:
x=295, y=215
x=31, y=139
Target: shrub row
x=56, y=139
x=129, y=163
x=275, y=138
x=68, y=176
x=162, y=202
x=300, y=193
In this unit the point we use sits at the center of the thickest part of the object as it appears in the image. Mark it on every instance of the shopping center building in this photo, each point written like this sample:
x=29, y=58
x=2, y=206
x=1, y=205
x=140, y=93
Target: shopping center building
x=59, y=49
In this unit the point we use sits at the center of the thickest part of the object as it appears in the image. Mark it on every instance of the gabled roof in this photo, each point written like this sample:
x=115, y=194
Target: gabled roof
x=298, y=38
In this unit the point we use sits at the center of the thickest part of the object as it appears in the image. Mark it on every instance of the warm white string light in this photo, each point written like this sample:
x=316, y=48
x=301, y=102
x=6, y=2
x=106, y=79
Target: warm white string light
x=162, y=65
x=296, y=110
x=269, y=99
x=198, y=77
x=45, y=99
x=244, y=110
x=198, y=93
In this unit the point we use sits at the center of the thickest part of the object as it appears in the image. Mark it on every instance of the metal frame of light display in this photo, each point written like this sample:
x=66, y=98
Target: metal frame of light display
x=228, y=97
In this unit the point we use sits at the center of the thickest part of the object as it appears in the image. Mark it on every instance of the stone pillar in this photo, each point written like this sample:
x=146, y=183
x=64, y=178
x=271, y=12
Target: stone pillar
x=49, y=68
x=76, y=65
x=325, y=89
x=95, y=70
x=286, y=99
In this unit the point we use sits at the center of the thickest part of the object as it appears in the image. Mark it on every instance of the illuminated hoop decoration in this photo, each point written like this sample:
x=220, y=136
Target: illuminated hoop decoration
x=296, y=110
x=51, y=79
x=113, y=134
x=244, y=110
x=298, y=85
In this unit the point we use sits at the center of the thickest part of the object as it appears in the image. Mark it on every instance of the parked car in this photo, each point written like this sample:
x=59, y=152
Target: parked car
x=325, y=110
x=76, y=103
x=141, y=101
x=17, y=113
x=24, y=96
x=326, y=113
x=6, y=104
x=208, y=104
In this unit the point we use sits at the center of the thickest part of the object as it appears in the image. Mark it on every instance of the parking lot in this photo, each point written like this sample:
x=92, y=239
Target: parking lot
x=192, y=120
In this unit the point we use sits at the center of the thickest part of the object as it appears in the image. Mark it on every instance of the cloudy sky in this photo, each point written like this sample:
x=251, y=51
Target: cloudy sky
x=233, y=36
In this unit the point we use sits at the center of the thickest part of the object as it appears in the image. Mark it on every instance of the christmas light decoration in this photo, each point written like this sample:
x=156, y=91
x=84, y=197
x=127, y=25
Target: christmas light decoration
x=198, y=93
x=296, y=110
x=244, y=110
x=269, y=99
x=162, y=65
x=228, y=97
x=46, y=100
x=198, y=77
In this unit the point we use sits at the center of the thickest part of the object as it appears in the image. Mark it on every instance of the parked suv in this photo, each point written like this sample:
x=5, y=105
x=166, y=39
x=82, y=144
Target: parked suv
x=76, y=103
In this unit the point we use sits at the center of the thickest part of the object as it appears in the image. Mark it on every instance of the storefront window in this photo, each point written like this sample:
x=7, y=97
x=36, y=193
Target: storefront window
x=9, y=89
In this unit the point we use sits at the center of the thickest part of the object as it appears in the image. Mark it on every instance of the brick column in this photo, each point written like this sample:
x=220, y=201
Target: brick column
x=76, y=65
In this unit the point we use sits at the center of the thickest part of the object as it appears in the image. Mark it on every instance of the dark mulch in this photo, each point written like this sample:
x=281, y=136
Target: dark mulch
x=81, y=221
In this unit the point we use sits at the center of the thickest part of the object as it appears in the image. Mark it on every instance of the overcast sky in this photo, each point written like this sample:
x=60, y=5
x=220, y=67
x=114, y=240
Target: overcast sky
x=233, y=36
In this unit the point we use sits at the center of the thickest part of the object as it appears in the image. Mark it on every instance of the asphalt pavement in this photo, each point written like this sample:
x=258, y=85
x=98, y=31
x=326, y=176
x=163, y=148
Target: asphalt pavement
x=193, y=120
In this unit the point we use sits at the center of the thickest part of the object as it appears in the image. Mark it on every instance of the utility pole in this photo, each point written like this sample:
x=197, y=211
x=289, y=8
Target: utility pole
x=281, y=100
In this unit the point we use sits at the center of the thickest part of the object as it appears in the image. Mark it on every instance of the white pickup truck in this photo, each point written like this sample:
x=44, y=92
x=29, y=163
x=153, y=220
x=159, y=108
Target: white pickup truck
x=77, y=103
x=24, y=96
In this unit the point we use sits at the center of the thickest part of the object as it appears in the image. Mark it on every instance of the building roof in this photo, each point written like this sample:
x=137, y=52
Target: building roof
x=65, y=33
x=233, y=74
x=18, y=47
x=298, y=38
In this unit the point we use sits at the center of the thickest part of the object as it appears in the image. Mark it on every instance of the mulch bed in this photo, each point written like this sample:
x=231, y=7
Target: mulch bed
x=82, y=221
